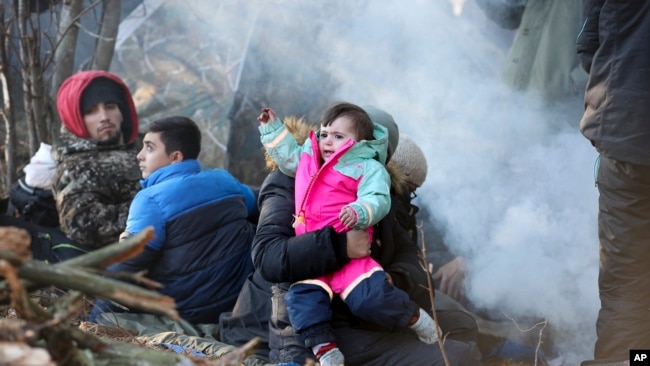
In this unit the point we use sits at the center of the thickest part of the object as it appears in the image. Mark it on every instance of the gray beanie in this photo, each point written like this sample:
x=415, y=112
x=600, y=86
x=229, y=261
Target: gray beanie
x=410, y=158
x=381, y=117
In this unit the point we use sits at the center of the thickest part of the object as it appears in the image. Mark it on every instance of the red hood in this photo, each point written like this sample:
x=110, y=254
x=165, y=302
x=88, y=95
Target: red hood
x=69, y=96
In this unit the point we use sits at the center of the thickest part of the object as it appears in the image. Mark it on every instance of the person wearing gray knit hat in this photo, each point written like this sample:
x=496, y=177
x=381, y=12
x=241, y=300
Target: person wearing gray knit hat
x=411, y=160
x=383, y=118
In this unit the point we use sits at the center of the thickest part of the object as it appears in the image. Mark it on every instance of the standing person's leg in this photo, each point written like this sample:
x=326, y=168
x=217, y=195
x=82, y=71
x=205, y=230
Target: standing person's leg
x=624, y=277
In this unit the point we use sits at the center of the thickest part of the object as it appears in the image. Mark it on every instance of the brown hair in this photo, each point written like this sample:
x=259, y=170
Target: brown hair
x=362, y=122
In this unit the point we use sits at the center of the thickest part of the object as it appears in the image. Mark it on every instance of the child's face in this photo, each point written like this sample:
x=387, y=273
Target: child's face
x=332, y=137
x=153, y=155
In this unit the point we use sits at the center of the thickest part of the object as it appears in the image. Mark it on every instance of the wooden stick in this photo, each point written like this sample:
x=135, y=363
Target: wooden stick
x=441, y=339
x=99, y=258
x=78, y=279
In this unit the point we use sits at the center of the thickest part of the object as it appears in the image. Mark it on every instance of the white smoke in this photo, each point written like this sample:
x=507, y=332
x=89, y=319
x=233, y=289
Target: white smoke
x=512, y=179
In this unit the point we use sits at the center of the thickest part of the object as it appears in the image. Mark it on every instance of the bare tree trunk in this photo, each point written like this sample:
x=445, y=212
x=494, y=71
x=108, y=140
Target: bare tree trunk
x=107, y=35
x=64, y=52
x=10, y=128
x=25, y=42
x=7, y=105
x=37, y=91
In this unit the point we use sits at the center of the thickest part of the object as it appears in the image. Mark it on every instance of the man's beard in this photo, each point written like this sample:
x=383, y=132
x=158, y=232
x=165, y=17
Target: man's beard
x=113, y=140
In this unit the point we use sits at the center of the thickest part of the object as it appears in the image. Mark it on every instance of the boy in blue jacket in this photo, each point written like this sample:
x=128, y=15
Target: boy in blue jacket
x=202, y=250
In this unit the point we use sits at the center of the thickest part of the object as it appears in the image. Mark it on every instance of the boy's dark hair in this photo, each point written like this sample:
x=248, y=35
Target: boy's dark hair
x=362, y=122
x=178, y=133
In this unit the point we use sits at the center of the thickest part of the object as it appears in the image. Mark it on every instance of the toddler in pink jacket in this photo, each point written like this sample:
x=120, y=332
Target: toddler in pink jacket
x=341, y=181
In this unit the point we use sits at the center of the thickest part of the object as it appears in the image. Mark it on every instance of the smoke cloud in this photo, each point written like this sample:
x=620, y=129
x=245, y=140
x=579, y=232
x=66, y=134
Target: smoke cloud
x=510, y=178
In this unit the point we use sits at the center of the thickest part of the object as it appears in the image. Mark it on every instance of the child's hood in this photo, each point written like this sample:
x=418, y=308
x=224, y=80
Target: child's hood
x=370, y=149
x=300, y=129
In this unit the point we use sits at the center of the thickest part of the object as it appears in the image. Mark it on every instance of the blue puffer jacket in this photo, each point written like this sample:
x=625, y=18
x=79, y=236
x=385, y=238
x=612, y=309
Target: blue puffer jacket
x=202, y=250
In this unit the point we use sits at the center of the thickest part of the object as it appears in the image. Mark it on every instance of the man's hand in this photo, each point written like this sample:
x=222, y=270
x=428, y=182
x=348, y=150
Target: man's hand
x=451, y=276
x=358, y=243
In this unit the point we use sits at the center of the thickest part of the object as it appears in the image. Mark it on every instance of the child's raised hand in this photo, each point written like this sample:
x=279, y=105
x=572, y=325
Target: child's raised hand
x=348, y=217
x=267, y=115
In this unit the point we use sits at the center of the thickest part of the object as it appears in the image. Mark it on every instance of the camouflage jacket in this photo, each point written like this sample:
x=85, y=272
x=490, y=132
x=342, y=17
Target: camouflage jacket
x=93, y=187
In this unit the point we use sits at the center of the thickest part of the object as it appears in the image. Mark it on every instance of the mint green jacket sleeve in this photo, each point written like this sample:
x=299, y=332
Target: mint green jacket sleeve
x=373, y=197
x=282, y=146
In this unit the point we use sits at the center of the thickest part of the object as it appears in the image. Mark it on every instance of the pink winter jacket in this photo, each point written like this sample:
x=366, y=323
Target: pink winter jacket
x=354, y=176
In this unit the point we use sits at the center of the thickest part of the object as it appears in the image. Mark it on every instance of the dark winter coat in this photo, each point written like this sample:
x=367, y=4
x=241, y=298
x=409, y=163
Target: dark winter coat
x=201, y=252
x=614, y=48
x=283, y=258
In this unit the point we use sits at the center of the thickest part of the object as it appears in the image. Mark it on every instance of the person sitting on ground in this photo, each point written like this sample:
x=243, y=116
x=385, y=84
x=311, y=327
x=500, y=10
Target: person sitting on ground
x=31, y=201
x=283, y=258
x=97, y=174
x=341, y=181
x=201, y=252
x=498, y=338
x=252, y=314
x=412, y=165
x=30, y=197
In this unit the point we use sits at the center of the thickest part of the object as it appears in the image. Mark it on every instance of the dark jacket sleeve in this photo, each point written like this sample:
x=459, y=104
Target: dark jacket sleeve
x=587, y=42
x=277, y=253
x=254, y=214
x=401, y=256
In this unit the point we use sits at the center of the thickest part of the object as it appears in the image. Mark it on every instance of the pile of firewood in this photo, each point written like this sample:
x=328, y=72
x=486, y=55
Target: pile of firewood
x=49, y=336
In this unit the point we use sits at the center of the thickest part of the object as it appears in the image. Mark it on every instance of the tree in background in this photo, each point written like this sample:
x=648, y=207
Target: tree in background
x=38, y=47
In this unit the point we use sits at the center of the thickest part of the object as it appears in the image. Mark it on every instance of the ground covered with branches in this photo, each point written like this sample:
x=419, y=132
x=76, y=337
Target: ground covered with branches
x=41, y=324
x=43, y=308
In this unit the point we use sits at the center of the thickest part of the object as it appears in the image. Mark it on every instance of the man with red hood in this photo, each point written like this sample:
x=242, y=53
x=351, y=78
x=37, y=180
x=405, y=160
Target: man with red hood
x=97, y=174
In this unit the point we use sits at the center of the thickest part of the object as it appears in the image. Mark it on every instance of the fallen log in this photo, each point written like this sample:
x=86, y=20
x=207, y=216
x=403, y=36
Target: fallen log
x=74, y=278
x=99, y=258
x=66, y=343
x=72, y=275
x=116, y=252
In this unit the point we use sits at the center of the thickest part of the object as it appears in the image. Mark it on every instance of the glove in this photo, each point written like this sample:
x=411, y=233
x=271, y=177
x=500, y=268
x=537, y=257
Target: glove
x=333, y=357
x=425, y=327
